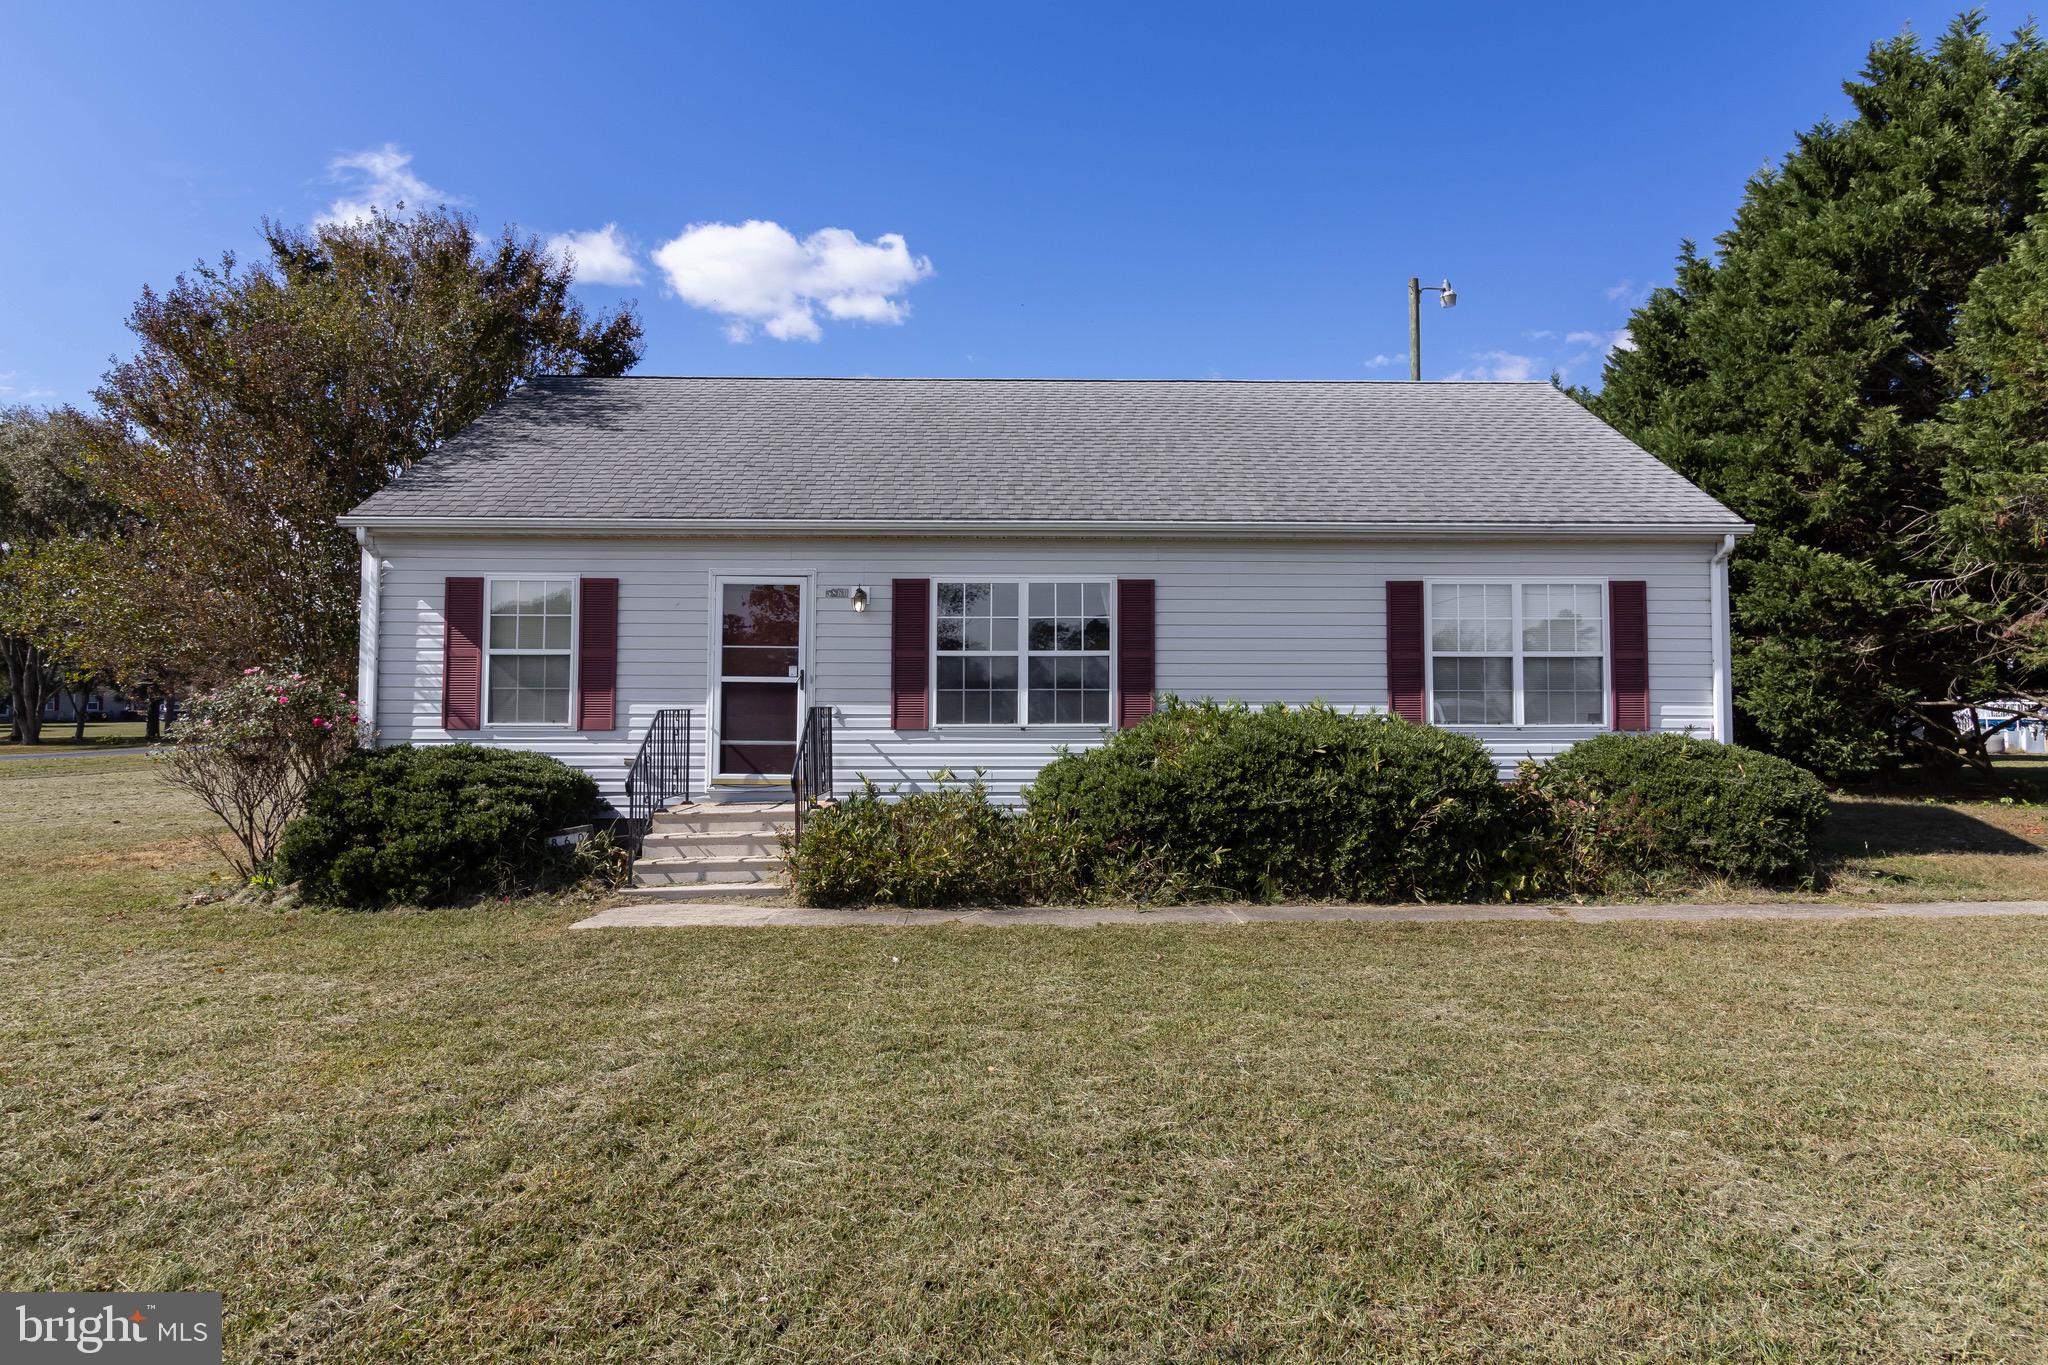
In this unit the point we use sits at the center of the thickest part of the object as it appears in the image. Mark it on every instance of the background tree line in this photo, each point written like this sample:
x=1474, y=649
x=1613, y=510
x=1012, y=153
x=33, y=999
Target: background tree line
x=182, y=528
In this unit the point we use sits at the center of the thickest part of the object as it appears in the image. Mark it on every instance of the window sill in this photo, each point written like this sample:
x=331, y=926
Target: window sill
x=1069, y=727
x=1593, y=725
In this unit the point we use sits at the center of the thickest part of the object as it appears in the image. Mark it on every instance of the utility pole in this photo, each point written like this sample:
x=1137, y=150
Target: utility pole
x=1414, y=328
x=1446, y=296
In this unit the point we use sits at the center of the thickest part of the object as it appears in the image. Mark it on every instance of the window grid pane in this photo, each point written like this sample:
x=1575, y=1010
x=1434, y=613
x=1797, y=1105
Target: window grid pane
x=1478, y=691
x=530, y=689
x=1561, y=618
x=977, y=648
x=1067, y=643
x=529, y=639
x=1471, y=618
x=1563, y=692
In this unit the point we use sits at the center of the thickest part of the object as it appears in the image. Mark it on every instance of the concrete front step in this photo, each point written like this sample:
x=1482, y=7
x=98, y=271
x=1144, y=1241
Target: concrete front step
x=731, y=868
x=716, y=843
x=728, y=817
x=715, y=893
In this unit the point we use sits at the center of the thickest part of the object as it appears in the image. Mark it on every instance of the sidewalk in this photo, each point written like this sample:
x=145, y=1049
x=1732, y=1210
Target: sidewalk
x=731, y=916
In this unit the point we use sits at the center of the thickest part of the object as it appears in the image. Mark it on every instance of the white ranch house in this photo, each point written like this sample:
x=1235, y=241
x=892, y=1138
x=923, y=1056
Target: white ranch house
x=969, y=574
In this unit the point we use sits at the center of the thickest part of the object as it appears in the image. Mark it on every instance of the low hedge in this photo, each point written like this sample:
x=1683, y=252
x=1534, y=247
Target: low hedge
x=1223, y=800
x=1280, y=803
x=941, y=846
x=1673, y=807
x=432, y=825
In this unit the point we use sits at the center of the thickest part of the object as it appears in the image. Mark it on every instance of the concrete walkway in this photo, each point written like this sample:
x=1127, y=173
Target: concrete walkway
x=107, y=751
x=729, y=916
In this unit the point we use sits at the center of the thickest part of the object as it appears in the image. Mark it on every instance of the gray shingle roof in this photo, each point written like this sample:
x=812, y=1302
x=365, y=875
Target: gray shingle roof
x=1026, y=451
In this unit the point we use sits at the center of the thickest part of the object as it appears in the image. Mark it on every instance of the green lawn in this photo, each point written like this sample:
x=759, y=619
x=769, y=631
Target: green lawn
x=62, y=735
x=473, y=1136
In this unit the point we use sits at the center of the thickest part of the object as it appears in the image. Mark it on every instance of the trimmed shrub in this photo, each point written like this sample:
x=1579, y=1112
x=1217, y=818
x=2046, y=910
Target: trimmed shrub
x=432, y=825
x=1683, y=807
x=1219, y=799
x=943, y=846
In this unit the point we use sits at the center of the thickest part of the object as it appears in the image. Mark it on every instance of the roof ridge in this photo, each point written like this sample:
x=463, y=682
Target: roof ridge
x=1048, y=379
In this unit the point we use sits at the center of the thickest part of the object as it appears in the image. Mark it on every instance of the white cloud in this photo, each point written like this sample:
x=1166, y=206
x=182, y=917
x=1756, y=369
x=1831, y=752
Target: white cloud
x=1617, y=340
x=758, y=275
x=378, y=180
x=1499, y=365
x=600, y=256
x=11, y=392
x=1628, y=292
x=1381, y=361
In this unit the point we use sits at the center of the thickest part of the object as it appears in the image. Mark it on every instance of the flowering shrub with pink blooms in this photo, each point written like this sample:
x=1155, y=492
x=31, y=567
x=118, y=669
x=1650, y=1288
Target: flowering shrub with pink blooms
x=250, y=748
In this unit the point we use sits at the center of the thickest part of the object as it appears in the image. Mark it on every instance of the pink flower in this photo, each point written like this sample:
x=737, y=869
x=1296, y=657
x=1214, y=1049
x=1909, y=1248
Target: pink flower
x=251, y=672
x=282, y=699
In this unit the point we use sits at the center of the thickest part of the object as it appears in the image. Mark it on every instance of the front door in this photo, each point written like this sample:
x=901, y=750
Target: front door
x=759, y=667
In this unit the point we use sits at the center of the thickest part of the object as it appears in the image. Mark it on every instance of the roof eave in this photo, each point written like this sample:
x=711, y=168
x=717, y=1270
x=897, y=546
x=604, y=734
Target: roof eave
x=1277, y=530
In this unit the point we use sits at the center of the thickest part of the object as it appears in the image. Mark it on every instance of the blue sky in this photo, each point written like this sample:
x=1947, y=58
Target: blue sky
x=1180, y=190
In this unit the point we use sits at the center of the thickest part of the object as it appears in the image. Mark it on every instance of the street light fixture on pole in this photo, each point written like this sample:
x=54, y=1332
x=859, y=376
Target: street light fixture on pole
x=1447, y=296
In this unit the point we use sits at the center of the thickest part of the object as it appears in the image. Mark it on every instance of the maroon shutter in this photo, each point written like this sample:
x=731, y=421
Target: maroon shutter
x=462, y=654
x=1628, y=637
x=1135, y=639
x=597, y=655
x=910, y=644
x=1404, y=651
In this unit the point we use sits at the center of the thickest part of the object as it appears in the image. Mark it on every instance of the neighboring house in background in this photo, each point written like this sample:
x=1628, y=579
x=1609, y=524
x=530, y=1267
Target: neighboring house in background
x=2009, y=726
x=972, y=574
x=101, y=703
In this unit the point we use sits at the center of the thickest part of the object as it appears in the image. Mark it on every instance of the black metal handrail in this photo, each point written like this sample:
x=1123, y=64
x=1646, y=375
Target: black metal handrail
x=660, y=772
x=811, y=780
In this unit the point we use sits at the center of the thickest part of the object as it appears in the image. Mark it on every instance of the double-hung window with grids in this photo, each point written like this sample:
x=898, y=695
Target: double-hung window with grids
x=1517, y=654
x=528, y=646
x=1033, y=652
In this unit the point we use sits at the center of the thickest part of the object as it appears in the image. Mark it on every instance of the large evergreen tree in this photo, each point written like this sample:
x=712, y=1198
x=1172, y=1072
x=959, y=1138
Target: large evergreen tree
x=1809, y=375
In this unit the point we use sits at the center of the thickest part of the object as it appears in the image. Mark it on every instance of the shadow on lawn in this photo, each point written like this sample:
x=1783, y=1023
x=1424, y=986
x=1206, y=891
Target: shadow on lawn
x=1877, y=828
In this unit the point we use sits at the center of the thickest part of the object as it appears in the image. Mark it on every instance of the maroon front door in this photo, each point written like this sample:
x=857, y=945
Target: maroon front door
x=760, y=677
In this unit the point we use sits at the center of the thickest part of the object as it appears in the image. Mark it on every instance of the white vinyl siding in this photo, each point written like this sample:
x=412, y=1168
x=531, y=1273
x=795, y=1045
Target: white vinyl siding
x=1256, y=620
